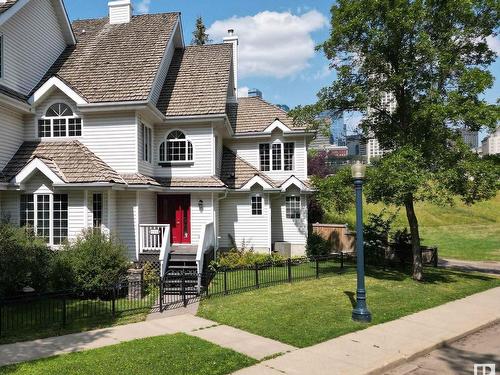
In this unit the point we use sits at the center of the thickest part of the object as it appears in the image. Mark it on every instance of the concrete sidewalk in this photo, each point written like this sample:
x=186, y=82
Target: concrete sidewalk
x=252, y=345
x=490, y=267
x=378, y=348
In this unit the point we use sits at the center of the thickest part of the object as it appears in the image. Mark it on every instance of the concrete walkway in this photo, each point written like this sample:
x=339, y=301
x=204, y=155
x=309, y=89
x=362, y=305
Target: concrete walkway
x=378, y=348
x=491, y=267
x=253, y=346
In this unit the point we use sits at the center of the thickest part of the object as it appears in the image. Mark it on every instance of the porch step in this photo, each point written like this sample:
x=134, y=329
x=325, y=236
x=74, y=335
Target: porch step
x=182, y=267
x=182, y=257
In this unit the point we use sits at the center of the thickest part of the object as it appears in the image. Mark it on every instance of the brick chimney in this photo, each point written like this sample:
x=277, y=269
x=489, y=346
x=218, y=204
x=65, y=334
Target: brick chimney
x=120, y=11
x=234, y=40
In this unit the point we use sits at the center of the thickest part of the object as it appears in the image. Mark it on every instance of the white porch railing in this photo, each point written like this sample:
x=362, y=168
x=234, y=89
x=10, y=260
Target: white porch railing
x=206, y=242
x=166, y=248
x=152, y=237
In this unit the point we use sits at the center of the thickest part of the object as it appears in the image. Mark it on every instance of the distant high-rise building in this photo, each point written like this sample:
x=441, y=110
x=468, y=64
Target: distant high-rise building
x=252, y=93
x=284, y=107
x=471, y=138
x=491, y=144
x=338, y=128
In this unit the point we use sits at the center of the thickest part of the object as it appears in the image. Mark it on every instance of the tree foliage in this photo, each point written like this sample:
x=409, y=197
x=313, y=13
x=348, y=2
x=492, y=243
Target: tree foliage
x=200, y=36
x=416, y=70
x=335, y=192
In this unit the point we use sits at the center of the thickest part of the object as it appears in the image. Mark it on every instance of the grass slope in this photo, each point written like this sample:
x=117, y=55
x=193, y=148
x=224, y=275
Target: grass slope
x=174, y=354
x=461, y=231
x=309, y=312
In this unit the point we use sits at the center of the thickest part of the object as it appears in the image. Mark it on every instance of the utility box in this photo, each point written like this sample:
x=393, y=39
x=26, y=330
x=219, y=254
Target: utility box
x=283, y=249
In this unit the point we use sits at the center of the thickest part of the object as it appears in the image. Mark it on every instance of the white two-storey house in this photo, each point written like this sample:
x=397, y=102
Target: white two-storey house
x=115, y=123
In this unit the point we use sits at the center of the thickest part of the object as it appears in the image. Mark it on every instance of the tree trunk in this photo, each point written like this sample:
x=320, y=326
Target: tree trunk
x=415, y=239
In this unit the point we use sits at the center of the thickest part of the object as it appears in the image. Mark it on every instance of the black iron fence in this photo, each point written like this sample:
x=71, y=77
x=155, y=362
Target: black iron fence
x=69, y=309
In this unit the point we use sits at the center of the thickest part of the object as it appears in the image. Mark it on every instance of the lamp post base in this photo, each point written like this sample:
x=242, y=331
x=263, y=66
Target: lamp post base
x=361, y=315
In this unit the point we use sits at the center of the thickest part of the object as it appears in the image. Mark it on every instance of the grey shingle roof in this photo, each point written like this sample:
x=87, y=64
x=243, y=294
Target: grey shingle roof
x=13, y=94
x=255, y=115
x=7, y=5
x=197, y=81
x=113, y=63
x=70, y=160
x=236, y=172
x=174, y=182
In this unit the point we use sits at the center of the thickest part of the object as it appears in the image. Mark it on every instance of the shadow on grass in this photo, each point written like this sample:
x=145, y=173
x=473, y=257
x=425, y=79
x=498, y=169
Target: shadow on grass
x=431, y=275
x=351, y=295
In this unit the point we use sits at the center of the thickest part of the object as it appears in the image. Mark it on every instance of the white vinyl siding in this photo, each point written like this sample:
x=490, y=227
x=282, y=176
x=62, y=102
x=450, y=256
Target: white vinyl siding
x=113, y=137
x=147, y=207
x=12, y=131
x=236, y=219
x=249, y=151
x=33, y=40
x=201, y=137
x=199, y=218
x=288, y=230
x=10, y=206
x=127, y=220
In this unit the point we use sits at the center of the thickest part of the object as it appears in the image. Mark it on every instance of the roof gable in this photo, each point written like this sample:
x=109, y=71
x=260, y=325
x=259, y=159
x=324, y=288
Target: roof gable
x=256, y=115
x=109, y=63
x=8, y=4
x=197, y=81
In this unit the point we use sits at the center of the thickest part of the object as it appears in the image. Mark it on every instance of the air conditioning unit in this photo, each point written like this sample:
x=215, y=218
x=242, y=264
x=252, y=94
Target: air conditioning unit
x=283, y=248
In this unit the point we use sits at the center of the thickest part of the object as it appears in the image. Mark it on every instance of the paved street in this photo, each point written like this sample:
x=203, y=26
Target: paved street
x=458, y=358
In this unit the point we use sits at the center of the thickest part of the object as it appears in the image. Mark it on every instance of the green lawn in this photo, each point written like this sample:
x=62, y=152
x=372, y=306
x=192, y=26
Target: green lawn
x=174, y=354
x=43, y=318
x=460, y=232
x=309, y=312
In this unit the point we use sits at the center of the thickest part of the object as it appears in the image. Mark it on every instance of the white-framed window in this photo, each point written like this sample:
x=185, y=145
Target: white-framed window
x=97, y=210
x=256, y=205
x=277, y=156
x=59, y=121
x=176, y=148
x=46, y=215
x=147, y=143
x=292, y=206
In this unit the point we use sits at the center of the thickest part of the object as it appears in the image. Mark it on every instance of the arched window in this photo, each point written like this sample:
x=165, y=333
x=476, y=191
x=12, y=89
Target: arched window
x=176, y=148
x=59, y=121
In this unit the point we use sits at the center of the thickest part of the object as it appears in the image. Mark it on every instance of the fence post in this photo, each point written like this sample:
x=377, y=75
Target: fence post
x=317, y=268
x=341, y=260
x=289, y=265
x=113, y=303
x=1, y=305
x=435, y=260
x=64, y=311
x=183, y=288
x=256, y=275
x=225, y=281
x=160, y=288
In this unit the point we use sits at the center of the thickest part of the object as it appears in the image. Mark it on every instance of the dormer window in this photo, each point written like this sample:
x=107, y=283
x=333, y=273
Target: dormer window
x=176, y=148
x=59, y=121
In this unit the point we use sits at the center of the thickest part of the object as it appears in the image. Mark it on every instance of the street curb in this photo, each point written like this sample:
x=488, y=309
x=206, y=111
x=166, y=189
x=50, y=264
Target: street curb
x=431, y=348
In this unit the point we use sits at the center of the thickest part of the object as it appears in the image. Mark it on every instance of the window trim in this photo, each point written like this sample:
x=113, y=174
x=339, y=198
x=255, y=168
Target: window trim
x=261, y=202
x=293, y=217
x=35, y=196
x=51, y=119
x=147, y=143
x=94, y=210
x=163, y=159
x=282, y=153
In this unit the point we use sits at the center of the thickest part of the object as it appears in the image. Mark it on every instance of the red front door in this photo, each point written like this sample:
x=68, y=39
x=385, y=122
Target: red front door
x=175, y=210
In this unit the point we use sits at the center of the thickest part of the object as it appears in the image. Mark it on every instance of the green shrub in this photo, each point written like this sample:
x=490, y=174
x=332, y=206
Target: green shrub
x=317, y=246
x=25, y=260
x=238, y=258
x=376, y=237
x=150, y=278
x=94, y=262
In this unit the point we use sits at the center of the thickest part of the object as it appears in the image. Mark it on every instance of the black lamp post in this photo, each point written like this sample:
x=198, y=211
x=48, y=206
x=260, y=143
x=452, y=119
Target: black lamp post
x=360, y=312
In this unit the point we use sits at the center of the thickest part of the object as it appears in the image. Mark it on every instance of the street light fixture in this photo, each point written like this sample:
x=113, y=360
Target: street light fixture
x=360, y=312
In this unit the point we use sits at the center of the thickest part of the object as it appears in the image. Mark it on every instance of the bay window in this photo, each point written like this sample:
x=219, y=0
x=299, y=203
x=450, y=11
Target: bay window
x=277, y=156
x=96, y=210
x=46, y=215
x=147, y=141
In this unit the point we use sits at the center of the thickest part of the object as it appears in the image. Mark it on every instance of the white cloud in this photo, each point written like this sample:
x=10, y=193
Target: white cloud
x=271, y=43
x=494, y=44
x=324, y=72
x=143, y=6
x=243, y=92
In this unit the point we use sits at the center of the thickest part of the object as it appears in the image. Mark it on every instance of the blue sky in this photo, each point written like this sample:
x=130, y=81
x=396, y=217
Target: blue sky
x=276, y=37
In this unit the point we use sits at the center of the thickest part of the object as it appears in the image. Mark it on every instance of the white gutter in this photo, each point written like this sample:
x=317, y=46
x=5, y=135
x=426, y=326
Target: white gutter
x=268, y=134
x=25, y=107
x=195, y=117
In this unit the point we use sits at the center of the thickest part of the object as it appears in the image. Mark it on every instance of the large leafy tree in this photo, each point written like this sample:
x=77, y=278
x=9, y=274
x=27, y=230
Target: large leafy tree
x=416, y=70
x=200, y=36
